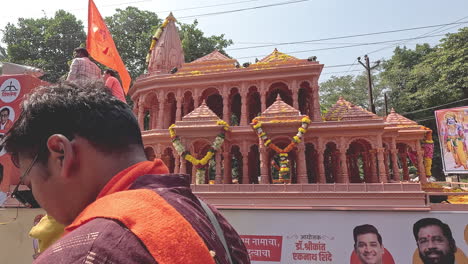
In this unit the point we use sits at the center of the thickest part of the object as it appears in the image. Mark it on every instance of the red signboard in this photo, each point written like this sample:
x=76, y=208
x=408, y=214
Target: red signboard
x=263, y=248
x=12, y=90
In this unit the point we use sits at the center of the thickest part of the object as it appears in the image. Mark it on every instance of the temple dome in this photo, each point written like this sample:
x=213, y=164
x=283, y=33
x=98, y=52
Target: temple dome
x=166, y=50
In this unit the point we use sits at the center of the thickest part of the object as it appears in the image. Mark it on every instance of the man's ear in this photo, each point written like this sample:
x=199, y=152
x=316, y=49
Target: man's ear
x=61, y=153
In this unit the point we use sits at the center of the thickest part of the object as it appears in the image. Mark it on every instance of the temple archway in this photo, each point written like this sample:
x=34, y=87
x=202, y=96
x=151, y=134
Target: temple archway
x=407, y=159
x=149, y=153
x=170, y=110
x=199, y=150
x=304, y=99
x=213, y=100
x=331, y=162
x=283, y=90
x=169, y=159
x=150, y=111
x=254, y=104
x=236, y=164
x=359, y=167
x=254, y=164
x=311, y=163
x=235, y=107
x=188, y=103
x=274, y=164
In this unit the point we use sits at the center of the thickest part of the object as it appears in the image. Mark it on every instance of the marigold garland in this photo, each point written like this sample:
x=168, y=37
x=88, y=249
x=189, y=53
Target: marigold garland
x=200, y=164
x=284, y=162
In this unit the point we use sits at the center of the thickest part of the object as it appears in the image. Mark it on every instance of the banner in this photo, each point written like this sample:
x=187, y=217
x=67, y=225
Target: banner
x=352, y=237
x=12, y=90
x=452, y=125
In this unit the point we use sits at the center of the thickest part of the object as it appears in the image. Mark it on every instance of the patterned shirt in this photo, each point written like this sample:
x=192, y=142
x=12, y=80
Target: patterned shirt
x=105, y=241
x=83, y=69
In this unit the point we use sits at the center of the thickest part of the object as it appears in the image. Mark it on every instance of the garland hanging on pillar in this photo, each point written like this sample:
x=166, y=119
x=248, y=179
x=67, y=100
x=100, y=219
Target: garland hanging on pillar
x=200, y=164
x=283, y=153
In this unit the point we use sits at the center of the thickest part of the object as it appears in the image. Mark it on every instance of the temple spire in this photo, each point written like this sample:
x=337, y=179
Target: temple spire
x=166, y=50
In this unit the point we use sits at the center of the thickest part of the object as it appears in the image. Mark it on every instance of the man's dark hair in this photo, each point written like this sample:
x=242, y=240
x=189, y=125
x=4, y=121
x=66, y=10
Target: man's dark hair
x=5, y=109
x=111, y=72
x=366, y=229
x=88, y=110
x=82, y=51
x=434, y=222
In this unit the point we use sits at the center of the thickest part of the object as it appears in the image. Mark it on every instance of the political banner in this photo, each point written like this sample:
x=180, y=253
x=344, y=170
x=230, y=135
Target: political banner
x=12, y=90
x=452, y=125
x=354, y=237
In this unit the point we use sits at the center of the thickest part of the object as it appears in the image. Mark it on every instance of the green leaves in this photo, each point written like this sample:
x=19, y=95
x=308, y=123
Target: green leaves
x=196, y=45
x=47, y=43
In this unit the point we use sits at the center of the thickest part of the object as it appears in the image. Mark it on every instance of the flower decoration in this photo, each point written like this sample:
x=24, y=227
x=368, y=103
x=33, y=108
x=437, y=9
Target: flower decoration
x=284, y=162
x=200, y=164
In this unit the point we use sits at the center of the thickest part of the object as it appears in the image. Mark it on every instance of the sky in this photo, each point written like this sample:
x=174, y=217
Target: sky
x=272, y=23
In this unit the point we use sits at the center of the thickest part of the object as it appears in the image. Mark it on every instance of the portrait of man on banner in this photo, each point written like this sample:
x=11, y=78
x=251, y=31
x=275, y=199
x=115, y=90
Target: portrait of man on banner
x=368, y=247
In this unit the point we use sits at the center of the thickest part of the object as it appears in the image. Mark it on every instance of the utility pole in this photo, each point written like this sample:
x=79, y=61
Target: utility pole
x=386, y=105
x=369, y=78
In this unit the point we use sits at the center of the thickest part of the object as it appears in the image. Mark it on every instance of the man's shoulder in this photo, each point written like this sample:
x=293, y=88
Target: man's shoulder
x=98, y=241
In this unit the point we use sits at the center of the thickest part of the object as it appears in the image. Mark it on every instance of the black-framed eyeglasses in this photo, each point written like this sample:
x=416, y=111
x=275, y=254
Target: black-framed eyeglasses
x=25, y=197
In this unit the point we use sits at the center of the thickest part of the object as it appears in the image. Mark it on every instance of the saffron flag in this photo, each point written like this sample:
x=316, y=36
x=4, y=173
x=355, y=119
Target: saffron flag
x=101, y=46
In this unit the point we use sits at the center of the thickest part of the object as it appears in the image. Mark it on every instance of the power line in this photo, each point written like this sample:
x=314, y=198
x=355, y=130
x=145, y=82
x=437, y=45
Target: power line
x=328, y=73
x=243, y=9
x=424, y=119
x=342, y=47
x=437, y=106
x=200, y=7
x=350, y=36
x=423, y=35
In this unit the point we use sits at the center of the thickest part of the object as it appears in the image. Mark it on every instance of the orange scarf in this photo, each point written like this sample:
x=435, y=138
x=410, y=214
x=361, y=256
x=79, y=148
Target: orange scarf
x=167, y=235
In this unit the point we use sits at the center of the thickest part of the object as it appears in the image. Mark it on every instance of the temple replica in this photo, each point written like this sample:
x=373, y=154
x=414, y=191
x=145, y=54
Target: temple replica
x=276, y=133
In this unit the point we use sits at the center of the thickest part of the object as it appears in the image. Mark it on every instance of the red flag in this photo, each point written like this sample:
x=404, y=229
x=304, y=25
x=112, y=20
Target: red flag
x=101, y=46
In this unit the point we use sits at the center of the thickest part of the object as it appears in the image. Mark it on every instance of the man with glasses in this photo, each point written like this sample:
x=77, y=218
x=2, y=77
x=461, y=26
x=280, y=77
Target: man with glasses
x=80, y=150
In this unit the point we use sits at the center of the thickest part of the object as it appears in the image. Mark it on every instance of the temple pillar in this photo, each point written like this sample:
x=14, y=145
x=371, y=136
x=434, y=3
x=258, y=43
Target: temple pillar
x=421, y=168
x=226, y=116
x=227, y=179
x=141, y=115
x=380, y=160
x=394, y=157
x=179, y=109
x=168, y=117
x=245, y=167
x=373, y=167
x=157, y=151
x=264, y=177
x=365, y=165
x=395, y=169
x=243, y=121
x=404, y=164
x=263, y=100
x=344, y=167
x=301, y=164
x=218, y=176
x=176, y=162
x=386, y=163
x=194, y=174
x=183, y=168
x=153, y=117
x=315, y=111
x=161, y=115
x=321, y=166
x=295, y=94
